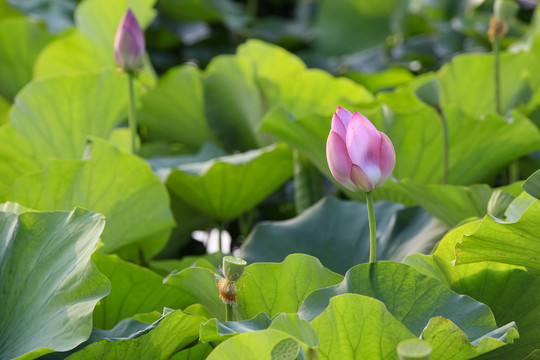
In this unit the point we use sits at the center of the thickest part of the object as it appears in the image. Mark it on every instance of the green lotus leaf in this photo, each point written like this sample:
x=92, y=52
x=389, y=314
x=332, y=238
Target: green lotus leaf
x=21, y=40
x=48, y=283
x=515, y=243
x=353, y=326
x=174, y=109
x=512, y=293
x=451, y=343
x=134, y=290
x=57, y=115
x=201, y=285
x=120, y=186
x=226, y=187
x=401, y=231
x=173, y=333
x=409, y=296
x=270, y=288
x=232, y=102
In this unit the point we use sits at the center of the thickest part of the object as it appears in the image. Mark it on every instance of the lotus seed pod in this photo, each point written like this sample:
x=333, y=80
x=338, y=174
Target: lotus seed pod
x=233, y=267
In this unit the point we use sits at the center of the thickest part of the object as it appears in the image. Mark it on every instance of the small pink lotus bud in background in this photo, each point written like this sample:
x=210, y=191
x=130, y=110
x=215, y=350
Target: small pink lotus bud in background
x=359, y=156
x=129, y=47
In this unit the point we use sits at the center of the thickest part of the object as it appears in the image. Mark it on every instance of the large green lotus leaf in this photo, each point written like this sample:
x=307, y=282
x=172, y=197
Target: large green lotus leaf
x=174, y=109
x=201, y=284
x=56, y=115
x=226, y=187
x=20, y=43
x=532, y=185
x=126, y=329
x=134, y=290
x=337, y=18
x=173, y=333
x=252, y=345
x=337, y=233
x=358, y=327
x=449, y=203
x=515, y=243
x=273, y=64
x=48, y=283
x=411, y=297
x=233, y=105
x=16, y=158
x=316, y=92
x=450, y=343
x=476, y=98
x=270, y=287
x=90, y=46
x=120, y=186
x=512, y=293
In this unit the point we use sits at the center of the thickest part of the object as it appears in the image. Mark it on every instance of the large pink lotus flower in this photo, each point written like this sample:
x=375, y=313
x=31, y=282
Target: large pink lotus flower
x=359, y=156
x=129, y=46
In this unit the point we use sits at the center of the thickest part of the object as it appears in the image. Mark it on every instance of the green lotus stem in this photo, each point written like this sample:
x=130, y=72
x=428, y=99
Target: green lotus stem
x=132, y=120
x=446, y=145
x=496, y=65
x=220, y=232
x=372, y=228
x=229, y=312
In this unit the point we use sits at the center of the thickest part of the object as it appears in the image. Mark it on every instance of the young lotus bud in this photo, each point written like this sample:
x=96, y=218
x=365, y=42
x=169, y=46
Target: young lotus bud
x=359, y=156
x=129, y=47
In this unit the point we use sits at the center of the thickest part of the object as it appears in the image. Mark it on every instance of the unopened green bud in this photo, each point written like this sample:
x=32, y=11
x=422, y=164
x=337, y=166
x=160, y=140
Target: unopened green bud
x=233, y=267
x=414, y=349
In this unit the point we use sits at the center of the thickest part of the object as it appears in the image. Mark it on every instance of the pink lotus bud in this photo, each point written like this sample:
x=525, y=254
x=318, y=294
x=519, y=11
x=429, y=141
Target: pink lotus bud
x=129, y=48
x=359, y=156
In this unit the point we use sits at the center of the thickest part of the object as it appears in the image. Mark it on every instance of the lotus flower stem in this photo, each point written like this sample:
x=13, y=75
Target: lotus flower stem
x=132, y=119
x=372, y=228
x=220, y=237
